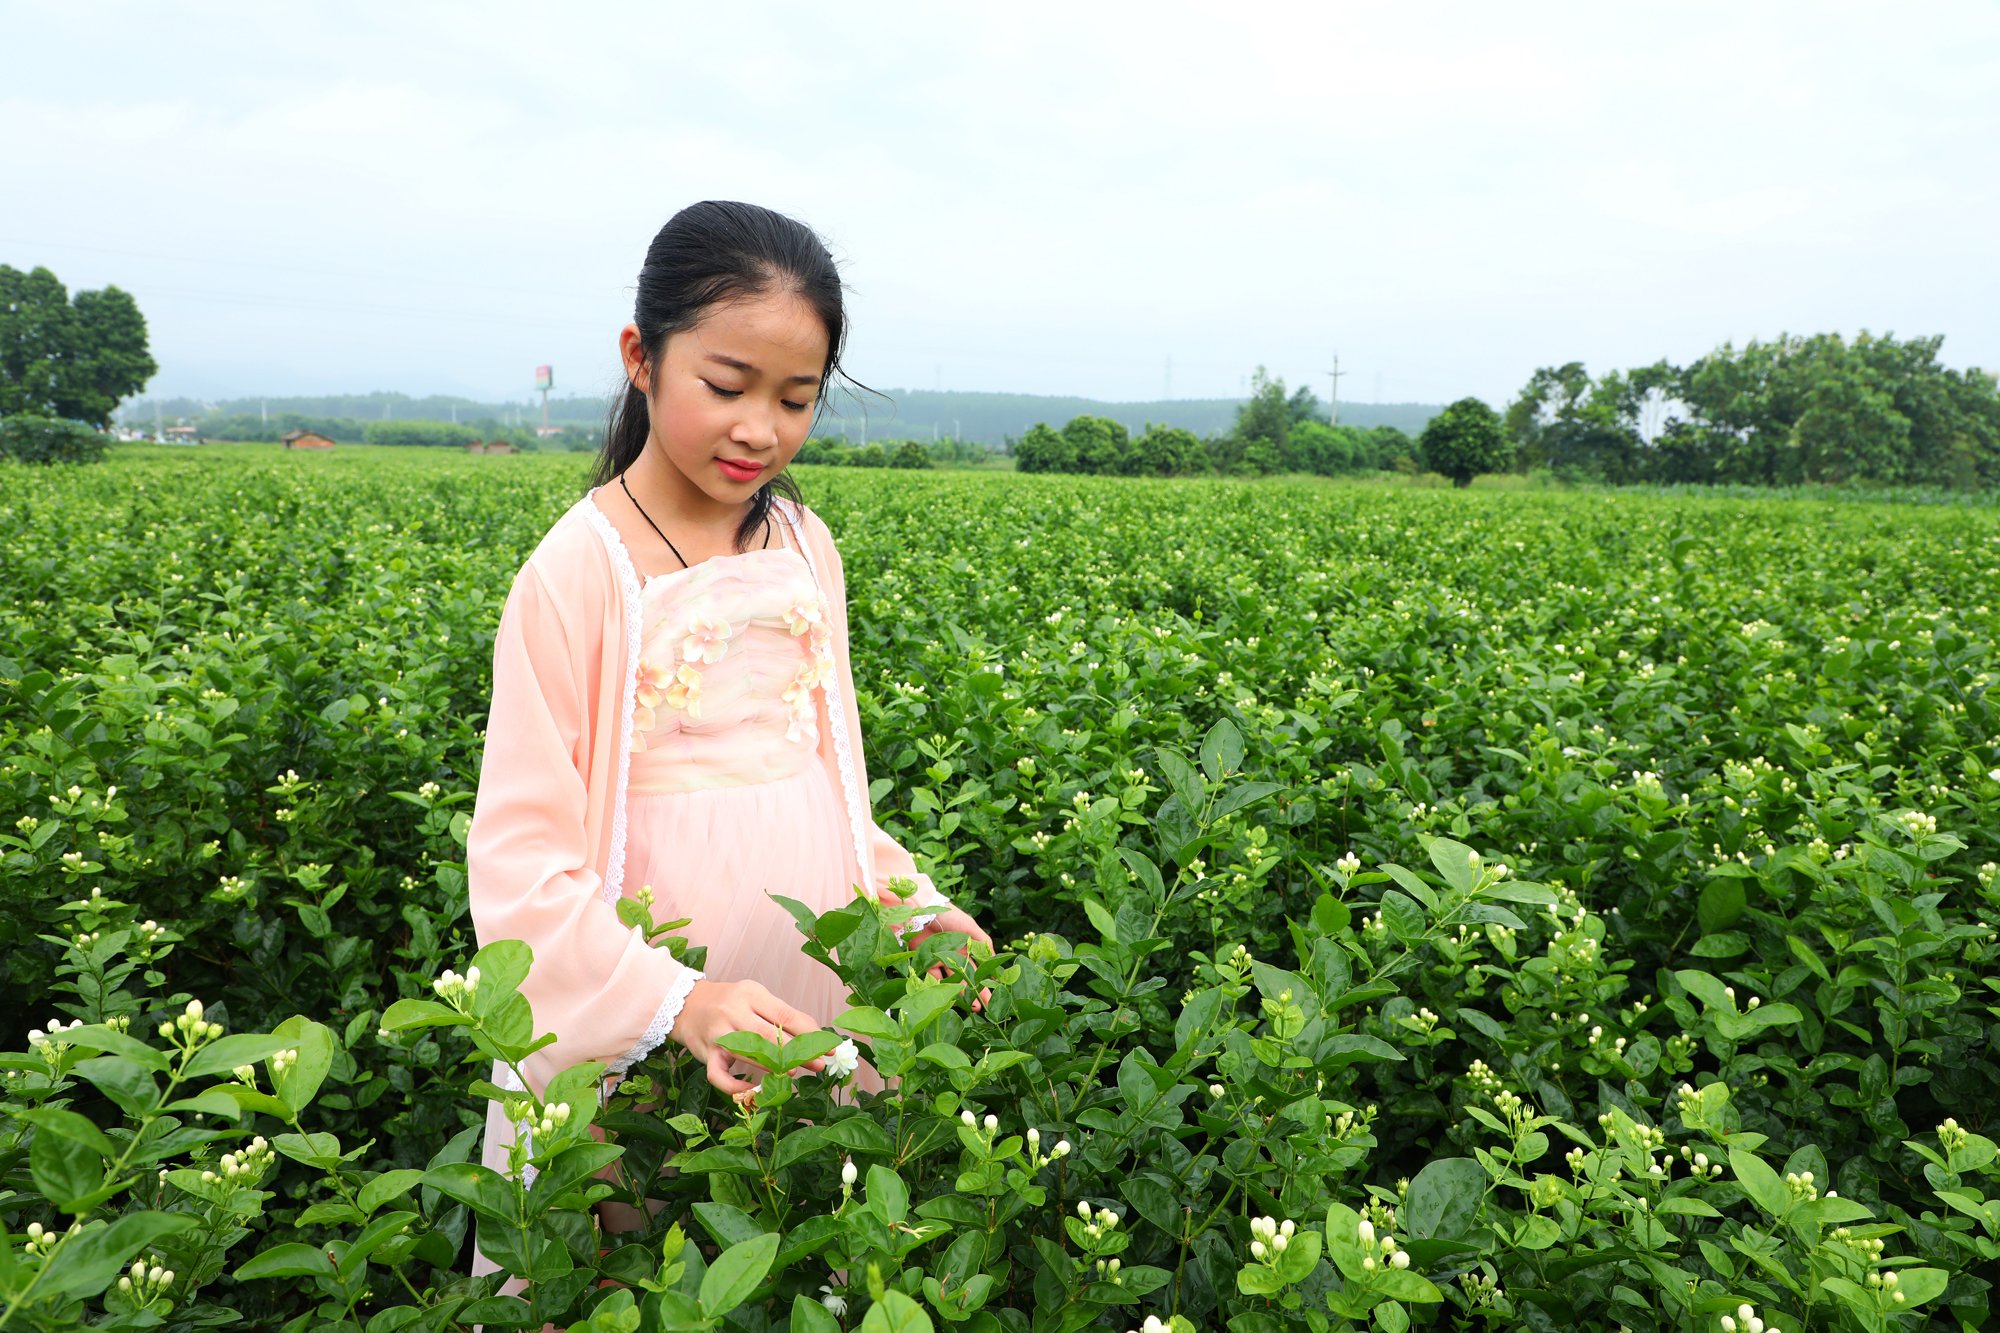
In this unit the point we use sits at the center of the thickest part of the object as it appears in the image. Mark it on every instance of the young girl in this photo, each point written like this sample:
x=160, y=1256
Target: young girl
x=673, y=705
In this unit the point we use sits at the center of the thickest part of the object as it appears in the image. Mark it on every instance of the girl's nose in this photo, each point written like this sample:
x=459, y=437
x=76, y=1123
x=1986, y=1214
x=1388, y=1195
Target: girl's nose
x=756, y=427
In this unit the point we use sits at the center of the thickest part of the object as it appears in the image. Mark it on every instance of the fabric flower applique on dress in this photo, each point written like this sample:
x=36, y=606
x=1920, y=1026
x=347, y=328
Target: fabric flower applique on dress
x=707, y=638
x=805, y=615
x=676, y=687
x=811, y=674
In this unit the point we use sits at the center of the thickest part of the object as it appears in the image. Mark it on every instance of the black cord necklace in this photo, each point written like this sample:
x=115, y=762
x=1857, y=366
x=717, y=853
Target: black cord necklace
x=649, y=521
x=656, y=527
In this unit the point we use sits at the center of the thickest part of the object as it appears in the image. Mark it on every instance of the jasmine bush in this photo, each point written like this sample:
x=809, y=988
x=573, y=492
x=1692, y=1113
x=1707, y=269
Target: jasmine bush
x=1707, y=1025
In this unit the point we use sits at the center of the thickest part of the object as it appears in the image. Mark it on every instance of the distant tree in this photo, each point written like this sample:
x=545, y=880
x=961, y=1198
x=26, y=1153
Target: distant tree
x=1465, y=440
x=868, y=455
x=1314, y=446
x=1262, y=426
x=1043, y=450
x=65, y=359
x=1304, y=405
x=1386, y=448
x=1167, y=451
x=112, y=360
x=69, y=359
x=1096, y=444
x=910, y=454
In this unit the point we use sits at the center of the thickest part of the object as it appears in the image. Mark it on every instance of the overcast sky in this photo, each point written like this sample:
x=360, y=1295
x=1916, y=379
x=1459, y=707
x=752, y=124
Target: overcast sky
x=1108, y=200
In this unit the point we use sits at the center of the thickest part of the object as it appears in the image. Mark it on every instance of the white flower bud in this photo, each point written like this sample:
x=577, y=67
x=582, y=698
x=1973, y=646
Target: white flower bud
x=849, y=1173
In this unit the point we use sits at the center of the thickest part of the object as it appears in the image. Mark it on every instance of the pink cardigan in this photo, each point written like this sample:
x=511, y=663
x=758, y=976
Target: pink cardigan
x=545, y=856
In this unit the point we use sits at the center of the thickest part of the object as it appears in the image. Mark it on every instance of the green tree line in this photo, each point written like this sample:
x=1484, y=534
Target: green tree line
x=1274, y=431
x=1817, y=409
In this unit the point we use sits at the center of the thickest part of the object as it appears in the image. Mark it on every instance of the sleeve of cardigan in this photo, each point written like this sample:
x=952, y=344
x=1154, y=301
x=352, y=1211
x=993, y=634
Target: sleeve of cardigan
x=890, y=858
x=595, y=982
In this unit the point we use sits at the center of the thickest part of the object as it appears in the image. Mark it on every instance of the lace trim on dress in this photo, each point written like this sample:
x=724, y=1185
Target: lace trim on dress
x=663, y=1021
x=843, y=746
x=628, y=583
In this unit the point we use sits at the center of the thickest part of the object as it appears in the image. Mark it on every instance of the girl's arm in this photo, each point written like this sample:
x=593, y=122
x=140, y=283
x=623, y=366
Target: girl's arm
x=595, y=983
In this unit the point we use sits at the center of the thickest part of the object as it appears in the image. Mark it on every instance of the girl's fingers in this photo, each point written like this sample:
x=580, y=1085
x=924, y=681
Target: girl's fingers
x=719, y=1076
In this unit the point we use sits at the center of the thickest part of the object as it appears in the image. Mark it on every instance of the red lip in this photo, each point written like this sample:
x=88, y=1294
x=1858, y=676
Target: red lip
x=740, y=465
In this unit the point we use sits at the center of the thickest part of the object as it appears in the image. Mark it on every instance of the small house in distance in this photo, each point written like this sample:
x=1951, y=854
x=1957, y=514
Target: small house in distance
x=181, y=435
x=306, y=439
x=491, y=447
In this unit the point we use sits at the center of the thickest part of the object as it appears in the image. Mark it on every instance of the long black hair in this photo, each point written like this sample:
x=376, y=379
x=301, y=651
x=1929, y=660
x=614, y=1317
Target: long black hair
x=708, y=253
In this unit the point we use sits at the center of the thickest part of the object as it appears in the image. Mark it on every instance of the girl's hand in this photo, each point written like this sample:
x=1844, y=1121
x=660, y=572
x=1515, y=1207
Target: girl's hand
x=716, y=1008
x=952, y=920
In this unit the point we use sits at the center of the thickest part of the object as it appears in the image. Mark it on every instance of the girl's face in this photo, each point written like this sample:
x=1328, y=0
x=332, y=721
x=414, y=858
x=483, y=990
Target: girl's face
x=732, y=398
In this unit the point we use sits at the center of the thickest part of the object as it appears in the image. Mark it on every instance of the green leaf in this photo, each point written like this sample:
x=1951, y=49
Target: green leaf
x=1760, y=1182
x=113, y=1042
x=945, y=1055
x=1720, y=904
x=69, y=1125
x=1454, y=861
x=1244, y=794
x=301, y=1080
x=809, y=1316
x=1101, y=919
x=503, y=966
x=67, y=1171
x=1182, y=780
x=404, y=1015
x=386, y=1187
x=293, y=1260
x=372, y=1237
x=1444, y=1198
x=569, y=1168
x=1221, y=752
x=1722, y=944
x=888, y=1196
x=124, y=1080
x=89, y=1263
x=896, y=1313
x=209, y=1101
x=736, y=1273
x=870, y=1023
x=1521, y=891
x=480, y=1188
x=729, y=1226
x=1920, y=1284
x=226, y=1053
x=1706, y=988
x=320, y=1149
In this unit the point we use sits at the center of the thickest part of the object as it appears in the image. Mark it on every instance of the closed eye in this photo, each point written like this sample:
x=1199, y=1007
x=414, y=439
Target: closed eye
x=721, y=392
x=797, y=407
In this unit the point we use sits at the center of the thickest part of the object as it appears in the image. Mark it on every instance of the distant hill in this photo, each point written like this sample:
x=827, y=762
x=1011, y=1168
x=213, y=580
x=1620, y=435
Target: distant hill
x=985, y=418
x=992, y=418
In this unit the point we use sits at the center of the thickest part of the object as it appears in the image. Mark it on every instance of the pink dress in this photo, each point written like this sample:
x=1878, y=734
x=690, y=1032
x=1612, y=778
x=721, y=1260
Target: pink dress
x=727, y=802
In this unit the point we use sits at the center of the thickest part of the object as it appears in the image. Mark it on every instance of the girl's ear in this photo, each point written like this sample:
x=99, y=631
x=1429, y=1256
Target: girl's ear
x=632, y=351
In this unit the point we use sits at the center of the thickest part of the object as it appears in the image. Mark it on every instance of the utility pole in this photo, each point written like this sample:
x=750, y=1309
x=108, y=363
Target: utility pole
x=1333, y=403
